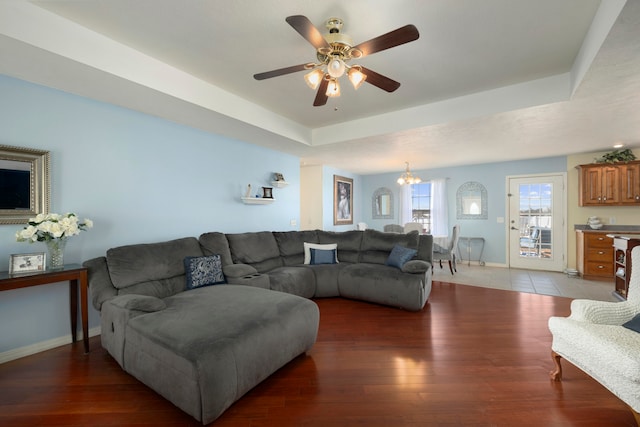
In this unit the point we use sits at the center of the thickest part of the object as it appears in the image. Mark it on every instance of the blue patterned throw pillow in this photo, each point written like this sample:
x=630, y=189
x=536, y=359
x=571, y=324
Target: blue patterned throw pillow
x=203, y=271
x=399, y=256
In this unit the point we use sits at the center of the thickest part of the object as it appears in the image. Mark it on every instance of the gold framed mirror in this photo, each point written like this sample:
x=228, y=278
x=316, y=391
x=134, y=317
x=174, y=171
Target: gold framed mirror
x=24, y=184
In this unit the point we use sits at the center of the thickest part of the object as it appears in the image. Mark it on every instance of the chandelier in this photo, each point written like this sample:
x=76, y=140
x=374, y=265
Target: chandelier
x=408, y=178
x=333, y=62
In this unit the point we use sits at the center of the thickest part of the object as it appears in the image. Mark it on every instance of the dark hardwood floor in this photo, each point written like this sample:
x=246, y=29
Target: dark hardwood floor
x=473, y=357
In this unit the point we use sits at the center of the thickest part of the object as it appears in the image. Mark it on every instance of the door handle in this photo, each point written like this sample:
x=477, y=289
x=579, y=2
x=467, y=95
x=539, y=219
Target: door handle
x=513, y=228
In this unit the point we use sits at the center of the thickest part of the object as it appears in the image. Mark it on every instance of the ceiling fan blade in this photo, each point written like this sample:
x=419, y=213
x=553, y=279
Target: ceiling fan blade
x=307, y=30
x=280, y=72
x=378, y=80
x=394, y=38
x=321, y=95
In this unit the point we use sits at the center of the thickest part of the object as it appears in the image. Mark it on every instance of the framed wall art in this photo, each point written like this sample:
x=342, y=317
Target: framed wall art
x=342, y=200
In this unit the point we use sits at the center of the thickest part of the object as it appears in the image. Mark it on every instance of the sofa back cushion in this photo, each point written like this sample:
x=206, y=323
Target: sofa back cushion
x=216, y=243
x=259, y=250
x=291, y=244
x=151, y=265
x=425, y=248
x=349, y=243
x=376, y=245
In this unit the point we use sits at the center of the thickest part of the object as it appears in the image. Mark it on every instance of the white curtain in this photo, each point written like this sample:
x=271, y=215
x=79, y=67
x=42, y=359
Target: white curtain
x=406, y=214
x=439, y=211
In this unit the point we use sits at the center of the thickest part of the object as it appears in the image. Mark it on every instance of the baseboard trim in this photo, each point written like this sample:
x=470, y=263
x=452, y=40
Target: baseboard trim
x=28, y=350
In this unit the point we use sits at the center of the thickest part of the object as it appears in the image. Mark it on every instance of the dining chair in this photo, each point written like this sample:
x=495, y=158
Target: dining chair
x=448, y=253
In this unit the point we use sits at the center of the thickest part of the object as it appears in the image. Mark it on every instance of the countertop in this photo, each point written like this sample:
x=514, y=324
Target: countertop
x=624, y=237
x=609, y=229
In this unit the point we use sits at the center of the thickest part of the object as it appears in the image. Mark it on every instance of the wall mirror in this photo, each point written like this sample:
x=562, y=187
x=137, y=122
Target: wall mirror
x=24, y=184
x=382, y=204
x=471, y=201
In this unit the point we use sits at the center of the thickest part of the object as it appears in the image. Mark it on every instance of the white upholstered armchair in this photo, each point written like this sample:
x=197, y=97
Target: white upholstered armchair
x=593, y=339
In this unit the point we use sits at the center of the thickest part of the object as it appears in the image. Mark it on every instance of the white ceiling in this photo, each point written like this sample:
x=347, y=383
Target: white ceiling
x=489, y=80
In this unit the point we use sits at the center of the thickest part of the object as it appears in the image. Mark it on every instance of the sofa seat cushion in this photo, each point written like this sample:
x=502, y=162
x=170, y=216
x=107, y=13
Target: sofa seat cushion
x=211, y=345
x=296, y=280
x=326, y=278
x=383, y=284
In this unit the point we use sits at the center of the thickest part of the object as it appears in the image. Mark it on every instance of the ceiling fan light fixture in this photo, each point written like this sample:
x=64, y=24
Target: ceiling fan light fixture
x=356, y=77
x=314, y=78
x=336, y=67
x=408, y=178
x=333, y=89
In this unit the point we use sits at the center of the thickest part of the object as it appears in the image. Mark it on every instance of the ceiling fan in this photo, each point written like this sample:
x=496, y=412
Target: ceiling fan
x=335, y=51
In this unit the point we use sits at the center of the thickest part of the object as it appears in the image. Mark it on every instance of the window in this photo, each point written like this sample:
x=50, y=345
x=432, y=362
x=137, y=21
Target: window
x=421, y=205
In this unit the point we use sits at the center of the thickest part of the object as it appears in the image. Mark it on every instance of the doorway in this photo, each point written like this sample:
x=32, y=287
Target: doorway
x=536, y=222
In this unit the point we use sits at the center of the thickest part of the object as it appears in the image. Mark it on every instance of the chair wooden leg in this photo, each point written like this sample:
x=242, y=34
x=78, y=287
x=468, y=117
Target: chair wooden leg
x=636, y=415
x=440, y=263
x=455, y=262
x=556, y=374
x=450, y=266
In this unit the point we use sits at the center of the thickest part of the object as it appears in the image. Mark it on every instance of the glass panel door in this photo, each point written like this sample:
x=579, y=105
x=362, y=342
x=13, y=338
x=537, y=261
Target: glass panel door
x=536, y=222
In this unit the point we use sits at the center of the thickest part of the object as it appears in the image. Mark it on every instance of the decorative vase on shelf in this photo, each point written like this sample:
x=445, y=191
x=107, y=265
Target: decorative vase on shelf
x=55, y=248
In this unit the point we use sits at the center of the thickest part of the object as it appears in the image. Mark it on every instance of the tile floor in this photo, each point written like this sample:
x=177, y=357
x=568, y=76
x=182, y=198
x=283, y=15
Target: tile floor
x=531, y=281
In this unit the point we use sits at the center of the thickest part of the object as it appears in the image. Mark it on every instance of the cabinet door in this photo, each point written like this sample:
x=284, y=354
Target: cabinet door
x=630, y=183
x=610, y=185
x=591, y=193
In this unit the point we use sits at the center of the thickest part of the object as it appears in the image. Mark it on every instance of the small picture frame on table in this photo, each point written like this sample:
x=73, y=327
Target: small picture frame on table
x=27, y=263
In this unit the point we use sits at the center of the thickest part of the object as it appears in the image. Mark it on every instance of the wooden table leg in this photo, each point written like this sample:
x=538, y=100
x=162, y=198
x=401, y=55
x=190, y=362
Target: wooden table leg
x=84, y=287
x=73, y=308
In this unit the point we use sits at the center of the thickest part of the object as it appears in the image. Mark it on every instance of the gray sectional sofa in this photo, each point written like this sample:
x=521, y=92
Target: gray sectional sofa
x=204, y=348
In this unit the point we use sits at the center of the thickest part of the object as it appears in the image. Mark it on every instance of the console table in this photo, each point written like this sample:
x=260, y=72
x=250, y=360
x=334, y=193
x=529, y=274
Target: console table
x=75, y=274
x=469, y=241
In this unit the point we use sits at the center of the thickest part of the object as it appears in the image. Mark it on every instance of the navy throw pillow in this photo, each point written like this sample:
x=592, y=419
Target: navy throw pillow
x=323, y=256
x=633, y=324
x=203, y=271
x=399, y=256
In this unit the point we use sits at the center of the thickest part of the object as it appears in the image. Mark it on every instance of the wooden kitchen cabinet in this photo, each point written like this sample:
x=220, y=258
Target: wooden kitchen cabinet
x=630, y=183
x=609, y=184
x=594, y=255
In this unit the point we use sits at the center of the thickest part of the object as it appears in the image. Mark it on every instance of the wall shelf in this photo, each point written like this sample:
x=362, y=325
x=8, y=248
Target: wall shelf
x=257, y=200
x=279, y=184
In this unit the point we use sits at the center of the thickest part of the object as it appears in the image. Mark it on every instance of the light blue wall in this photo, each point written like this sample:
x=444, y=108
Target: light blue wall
x=139, y=178
x=491, y=175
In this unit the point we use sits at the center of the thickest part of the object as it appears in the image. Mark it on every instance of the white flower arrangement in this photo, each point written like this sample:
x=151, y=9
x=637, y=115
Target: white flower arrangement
x=47, y=227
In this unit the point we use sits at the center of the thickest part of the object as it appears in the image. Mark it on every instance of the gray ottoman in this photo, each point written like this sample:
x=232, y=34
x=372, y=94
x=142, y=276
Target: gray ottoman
x=210, y=346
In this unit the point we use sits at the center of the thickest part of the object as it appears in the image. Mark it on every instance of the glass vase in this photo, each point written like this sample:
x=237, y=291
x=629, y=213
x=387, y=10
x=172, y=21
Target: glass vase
x=55, y=248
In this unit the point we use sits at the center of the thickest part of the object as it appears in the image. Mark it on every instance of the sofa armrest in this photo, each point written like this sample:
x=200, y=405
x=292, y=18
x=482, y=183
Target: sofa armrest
x=144, y=303
x=416, y=266
x=603, y=312
x=100, y=284
x=238, y=270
